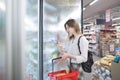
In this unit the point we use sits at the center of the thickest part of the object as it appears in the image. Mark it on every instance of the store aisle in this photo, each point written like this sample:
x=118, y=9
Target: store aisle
x=88, y=76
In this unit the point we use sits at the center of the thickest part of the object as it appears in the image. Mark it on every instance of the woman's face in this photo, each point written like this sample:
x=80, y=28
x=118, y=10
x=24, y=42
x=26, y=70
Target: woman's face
x=70, y=30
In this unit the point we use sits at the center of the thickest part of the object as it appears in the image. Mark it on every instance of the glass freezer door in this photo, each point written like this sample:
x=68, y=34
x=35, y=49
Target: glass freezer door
x=31, y=55
x=55, y=14
x=2, y=39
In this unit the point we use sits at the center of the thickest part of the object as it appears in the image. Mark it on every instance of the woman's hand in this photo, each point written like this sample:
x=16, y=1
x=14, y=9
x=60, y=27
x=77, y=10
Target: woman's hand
x=67, y=55
x=64, y=56
x=60, y=47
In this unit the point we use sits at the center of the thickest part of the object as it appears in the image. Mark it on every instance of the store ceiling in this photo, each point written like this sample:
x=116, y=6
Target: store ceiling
x=86, y=2
x=98, y=7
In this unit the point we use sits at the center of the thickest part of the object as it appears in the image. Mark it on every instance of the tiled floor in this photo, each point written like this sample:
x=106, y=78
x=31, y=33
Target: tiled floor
x=88, y=76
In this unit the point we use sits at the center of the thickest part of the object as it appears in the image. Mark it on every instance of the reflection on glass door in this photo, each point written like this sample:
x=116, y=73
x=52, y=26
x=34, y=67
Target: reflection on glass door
x=2, y=38
x=55, y=14
x=31, y=40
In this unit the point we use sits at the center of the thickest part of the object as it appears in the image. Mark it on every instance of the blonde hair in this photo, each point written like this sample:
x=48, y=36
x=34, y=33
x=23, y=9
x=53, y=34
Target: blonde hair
x=72, y=23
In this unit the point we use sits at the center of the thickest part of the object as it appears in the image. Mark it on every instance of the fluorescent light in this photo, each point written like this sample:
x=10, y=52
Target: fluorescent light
x=84, y=9
x=2, y=6
x=116, y=18
x=93, y=2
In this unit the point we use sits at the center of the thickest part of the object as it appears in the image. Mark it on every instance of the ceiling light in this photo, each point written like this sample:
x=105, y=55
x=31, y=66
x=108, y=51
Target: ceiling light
x=93, y=2
x=84, y=9
x=116, y=18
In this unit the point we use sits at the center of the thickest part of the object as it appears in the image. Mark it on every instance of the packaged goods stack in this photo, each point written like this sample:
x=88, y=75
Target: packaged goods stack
x=97, y=32
x=102, y=68
x=117, y=49
x=103, y=39
x=107, y=40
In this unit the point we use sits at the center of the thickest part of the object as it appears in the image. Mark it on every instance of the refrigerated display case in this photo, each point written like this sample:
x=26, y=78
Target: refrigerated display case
x=55, y=14
x=31, y=60
x=22, y=35
x=31, y=40
x=19, y=40
x=2, y=39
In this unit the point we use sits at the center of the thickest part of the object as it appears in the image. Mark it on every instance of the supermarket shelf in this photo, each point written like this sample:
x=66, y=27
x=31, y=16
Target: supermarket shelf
x=93, y=46
x=35, y=40
x=34, y=62
x=88, y=37
x=91, y=50
x=87, y=34
x=90, y=47
x=93, y=43
x=35, y=51
x=86, y=30
x=108, y=30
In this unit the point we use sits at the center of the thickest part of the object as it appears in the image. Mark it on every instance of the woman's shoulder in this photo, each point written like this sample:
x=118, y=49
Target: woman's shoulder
x=83, y=38
x=81, y=35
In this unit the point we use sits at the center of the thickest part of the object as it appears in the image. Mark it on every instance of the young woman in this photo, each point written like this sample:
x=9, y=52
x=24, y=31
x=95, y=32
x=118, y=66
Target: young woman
x=71, y=50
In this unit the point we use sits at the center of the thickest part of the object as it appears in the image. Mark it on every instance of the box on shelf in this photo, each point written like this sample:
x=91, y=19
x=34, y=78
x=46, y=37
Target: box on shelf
x=115, y=71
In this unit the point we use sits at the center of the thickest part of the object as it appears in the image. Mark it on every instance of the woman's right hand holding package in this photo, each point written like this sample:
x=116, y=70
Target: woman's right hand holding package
x=60, y=47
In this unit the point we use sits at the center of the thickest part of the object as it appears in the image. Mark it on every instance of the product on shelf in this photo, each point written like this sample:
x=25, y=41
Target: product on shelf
x=102, y=68
x=115, y=71
x=108, y=40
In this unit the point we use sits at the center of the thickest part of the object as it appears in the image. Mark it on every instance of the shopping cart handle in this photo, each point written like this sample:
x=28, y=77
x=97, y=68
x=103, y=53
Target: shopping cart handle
x=60, y=58
x=56, y=58
x=53, y=62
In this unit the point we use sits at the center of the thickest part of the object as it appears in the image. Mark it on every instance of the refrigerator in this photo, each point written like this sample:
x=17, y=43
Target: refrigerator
x=23, y=55
x=19, y=28
x=2, y=40
x=55, y=14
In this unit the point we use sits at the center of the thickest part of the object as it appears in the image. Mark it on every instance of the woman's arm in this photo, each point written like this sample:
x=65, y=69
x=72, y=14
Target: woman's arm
x=84, y=51
x=80, y=58
x=67, y=55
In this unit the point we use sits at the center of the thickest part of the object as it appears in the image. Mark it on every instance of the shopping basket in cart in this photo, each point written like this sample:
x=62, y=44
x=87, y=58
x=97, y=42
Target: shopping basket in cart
x=63, y=74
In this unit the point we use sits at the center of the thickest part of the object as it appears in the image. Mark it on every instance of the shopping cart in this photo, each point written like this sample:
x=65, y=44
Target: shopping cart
x=63, y=74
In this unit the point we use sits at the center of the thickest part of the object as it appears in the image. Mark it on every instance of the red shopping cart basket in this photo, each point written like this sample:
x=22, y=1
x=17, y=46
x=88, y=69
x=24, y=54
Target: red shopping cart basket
x=63, y=74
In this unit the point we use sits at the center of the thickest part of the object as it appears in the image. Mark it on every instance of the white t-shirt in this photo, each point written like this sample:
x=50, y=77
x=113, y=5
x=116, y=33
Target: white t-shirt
x=71, y=47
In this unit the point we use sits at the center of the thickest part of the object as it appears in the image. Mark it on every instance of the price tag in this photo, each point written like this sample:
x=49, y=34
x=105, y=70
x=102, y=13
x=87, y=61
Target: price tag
x=112, y=47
